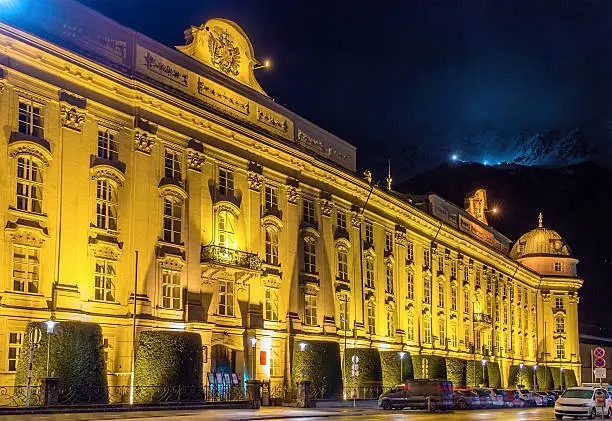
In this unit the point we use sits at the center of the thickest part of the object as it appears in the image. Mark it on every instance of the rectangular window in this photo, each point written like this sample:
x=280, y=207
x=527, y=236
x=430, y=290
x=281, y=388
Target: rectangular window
x=344, y=314
x=466, y=300
x=426, y=258
x=453, y=337
x=467, y=339
x=410, y=286
x=310, y=310
x=440, y=262
x=410, y=328
x=227, y=230
x=454, y=269
x=15, y=339
x=371, y=319
x=109, y=349
x=275, y=362
x=271, y=197
x=388, y=242
x=477, y=343
x=310, y=256
x=172, y=165
x=226, y=297
x=342, y=264
x=466, y=274
x=30, y=118
x=271, y=304
x=560, y=350
x=173, y=212
x=477, y=278
x=390, y=324
x=308, y=211
x=442, y=331
x=559, y=303
x=341, y=220
x=497, y=305
x=29, y=185
x=427, y=329
x=105, y=280
x=106, y=205
x=427, y=290
x=369, y=233
x=369, y=271
x=410, y=251
x=171, y=289
x=226, y=182
x=558, y=266
x=389, y=283
x=453, y=299
x=107, y=145
x=440, y=294
x=271, y=246
x=26, y=269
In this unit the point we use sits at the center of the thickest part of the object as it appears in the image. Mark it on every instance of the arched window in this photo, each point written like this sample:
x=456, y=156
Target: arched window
x=227, y=231
x=560, y=324
x=271, y=246
x=310, y=255
x=342, y=264
x=29, y=185
x=106, y=205
x=173, y=213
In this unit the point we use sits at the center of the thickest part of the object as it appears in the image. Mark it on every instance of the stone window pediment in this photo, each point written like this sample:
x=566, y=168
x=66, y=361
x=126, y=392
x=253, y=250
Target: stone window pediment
x=272, y=220
x=172, y=188
x=22, y=144
x=102, y=168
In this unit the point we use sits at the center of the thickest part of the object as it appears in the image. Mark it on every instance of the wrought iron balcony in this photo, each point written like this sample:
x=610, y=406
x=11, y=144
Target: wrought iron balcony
x=226, y=256
x=482, y=318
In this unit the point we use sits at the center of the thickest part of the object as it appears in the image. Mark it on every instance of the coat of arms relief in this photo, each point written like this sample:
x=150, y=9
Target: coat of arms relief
x=223, y=54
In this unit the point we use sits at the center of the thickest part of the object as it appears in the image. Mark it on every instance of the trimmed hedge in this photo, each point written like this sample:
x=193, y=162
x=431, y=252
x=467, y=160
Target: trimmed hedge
x=523, y=377
x=391, y=366
x=320, y=361
x=455, y=371
x=569, y=378
x=544, y=378
x=167, y=358
x=494, y=374
x=437, y=366
x=473, y=373
x=76, y=357
x=556, y=377
x=370, y=368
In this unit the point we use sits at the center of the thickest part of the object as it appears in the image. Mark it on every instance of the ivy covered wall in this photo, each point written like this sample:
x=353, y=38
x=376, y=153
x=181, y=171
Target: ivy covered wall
x=320, y=364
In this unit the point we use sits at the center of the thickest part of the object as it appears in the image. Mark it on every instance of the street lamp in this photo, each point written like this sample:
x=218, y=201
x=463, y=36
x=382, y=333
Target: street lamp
x=561, y=378
x=521, y=366
x=484, y=364
x=535, y=383
x=50, y=325
x=253, y=341
x=402, y=355
x=302, y=346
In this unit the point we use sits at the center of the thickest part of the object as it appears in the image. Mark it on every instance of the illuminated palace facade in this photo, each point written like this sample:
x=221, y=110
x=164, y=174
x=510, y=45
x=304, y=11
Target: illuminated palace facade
x=132, y=171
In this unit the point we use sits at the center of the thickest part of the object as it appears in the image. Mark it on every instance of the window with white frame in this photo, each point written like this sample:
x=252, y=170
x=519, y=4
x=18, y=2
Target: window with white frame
x=560, y=350
x=226, y=229
x=427, y=290
x=271, y=234
x=426, y=257
x=560, y=324
x=26, y=269
x=467, y=334
x=106, y=205
x=15, y=339
x=341, y=220
x=558, y=267
x=466, y=300
x=559, y=303
x=171, y=289
x=344, y=313
x=440, y=262
x=172, y=164
x=389, y=278
x=342, y=264
x=454, y=268
x=442, y=330
x=29, y=185
x=390, y=323
x=410, y=327
x=410, y=251
x=310, y=255
x=466, y=274
x=310, y=309
x=371, y=318
x=427, y=329
x=107, y=145
x=369, y=233
x=308, y=211
x=271, y=302
x=226, y=297
x=410, y=285
x=369, y=272
x=105, y=277
x=453, y=338
x=271, y=197
x=30, y=118
x=453, y=298
x=388, y=242
x=440, y=293
x=173, y=214
x=275, y=362
x=226, y=181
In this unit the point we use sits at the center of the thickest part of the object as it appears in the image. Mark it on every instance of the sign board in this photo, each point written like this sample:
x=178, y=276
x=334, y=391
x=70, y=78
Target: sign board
x=599, y=352
x=263, y=358
x=35, y=335
x=600, y=373
x=599, y=362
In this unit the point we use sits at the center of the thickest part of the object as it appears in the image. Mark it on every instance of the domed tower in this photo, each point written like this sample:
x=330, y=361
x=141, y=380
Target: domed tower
x=546, y=252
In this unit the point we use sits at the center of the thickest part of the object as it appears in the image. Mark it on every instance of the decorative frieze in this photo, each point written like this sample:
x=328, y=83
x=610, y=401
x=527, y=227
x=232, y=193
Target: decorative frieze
x=356, y=218
x=195, y=160
x=400, y=238
x=276, y=122
x=26, y=237
x=143, y=141
x=326, y=207
x=255, y=181
x=72, y=118
x=293, y=191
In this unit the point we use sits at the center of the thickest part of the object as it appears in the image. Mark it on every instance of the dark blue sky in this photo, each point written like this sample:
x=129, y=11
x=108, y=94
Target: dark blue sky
x=415, y=80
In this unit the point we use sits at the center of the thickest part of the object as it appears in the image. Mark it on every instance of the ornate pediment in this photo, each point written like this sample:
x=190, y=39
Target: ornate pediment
x=222, y=45
x=195, y=160
x=20, y=144
x=102, y=169
x=26, y=236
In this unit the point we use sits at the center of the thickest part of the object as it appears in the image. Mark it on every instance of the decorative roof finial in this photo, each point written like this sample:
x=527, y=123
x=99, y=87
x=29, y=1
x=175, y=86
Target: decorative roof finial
x=389, y=179
x=540, y=218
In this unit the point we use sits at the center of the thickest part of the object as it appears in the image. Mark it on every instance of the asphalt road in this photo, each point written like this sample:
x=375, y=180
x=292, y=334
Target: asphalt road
x=344, y=414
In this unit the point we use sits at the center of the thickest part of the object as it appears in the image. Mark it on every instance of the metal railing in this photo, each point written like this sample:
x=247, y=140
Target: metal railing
x=226, y=256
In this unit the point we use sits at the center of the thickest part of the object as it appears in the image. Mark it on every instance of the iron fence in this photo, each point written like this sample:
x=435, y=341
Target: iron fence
x=15, y=396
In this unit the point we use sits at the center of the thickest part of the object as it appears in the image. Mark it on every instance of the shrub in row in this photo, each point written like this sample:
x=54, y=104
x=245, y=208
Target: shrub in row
x=320, y=364
x=391, y=366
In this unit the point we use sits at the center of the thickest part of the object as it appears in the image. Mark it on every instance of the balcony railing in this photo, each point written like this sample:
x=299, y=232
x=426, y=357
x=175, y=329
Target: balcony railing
x=230, y=257
x=482, y=318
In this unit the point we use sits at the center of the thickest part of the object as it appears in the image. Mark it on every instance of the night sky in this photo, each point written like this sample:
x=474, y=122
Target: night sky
x=416, y=80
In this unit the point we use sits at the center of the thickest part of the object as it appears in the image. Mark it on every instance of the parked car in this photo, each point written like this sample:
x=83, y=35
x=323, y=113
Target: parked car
x=417, y=394
x=509, y=398
x=582, y=402
x=537, y=399
x=466, y=399
x=489, y=398
x=547, y=399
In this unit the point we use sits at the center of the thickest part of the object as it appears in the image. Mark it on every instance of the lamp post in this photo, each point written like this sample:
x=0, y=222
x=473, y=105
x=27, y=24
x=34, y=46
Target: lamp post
x=253, y=341
x=535, y=383
x=402, y=355
x=561, y=378
x=484, y=364
x=50, y=325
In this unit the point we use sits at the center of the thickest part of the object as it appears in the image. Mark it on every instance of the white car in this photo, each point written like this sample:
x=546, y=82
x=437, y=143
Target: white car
x=582, y=402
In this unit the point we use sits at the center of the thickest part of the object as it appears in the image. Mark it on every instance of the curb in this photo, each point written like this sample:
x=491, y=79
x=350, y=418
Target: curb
x=314, y=415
